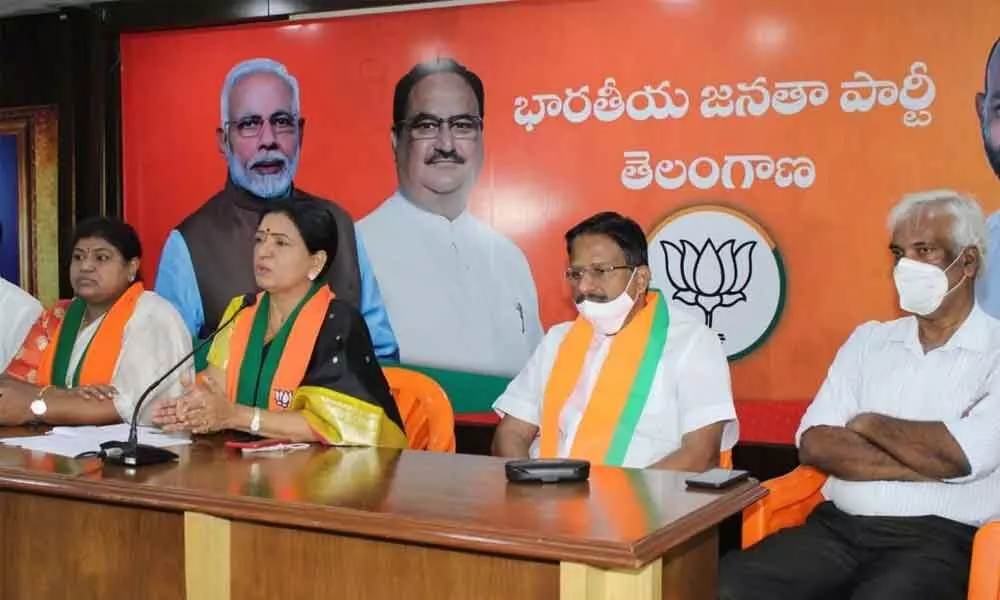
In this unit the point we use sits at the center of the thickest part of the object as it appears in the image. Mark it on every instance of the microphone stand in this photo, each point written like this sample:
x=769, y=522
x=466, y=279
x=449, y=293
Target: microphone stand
x=133, y=454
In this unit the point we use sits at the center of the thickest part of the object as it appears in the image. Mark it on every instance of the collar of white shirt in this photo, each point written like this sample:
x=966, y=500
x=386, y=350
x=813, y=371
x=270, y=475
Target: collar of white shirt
x=425, y=218
x=974, y=333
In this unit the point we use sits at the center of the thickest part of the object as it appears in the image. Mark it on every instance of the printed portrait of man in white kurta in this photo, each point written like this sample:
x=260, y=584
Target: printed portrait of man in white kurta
x=459, y=295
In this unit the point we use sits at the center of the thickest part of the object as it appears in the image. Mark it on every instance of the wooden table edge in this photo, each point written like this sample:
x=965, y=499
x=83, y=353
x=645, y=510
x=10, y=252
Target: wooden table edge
x=390, y=527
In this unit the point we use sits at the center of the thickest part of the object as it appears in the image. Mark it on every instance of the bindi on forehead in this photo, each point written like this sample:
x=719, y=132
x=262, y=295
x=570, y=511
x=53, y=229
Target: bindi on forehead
x=270, y=232
x=278, y=224
x=94, y=245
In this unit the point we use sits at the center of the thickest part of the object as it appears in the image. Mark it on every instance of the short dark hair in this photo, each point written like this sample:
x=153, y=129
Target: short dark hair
x=623, y=230
x=114, y=231
x=401, y=96
x=315, y=222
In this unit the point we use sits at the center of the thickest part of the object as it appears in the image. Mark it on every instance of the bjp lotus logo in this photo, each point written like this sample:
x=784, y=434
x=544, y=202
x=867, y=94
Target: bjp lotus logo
x=726, y=268
x=710, y=278
x=283, y=398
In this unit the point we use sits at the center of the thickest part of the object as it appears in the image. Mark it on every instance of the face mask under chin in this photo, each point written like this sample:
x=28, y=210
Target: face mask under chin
x=608, y=318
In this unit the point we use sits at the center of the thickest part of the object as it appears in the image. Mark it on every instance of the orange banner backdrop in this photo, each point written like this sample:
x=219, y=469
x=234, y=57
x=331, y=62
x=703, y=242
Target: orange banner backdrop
x=816, y=173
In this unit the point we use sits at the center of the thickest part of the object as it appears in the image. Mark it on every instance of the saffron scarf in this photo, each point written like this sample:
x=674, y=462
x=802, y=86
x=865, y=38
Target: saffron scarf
x=28, y=360
x=620, y=393
x=275, y=381
x=97, y=365
x=270, y=381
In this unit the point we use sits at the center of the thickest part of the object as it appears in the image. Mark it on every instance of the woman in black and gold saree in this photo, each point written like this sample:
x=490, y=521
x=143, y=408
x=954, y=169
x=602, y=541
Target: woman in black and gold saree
x=298, y=364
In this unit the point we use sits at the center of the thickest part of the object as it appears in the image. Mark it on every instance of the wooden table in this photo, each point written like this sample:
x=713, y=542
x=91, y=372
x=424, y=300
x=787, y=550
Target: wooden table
x=349, y=523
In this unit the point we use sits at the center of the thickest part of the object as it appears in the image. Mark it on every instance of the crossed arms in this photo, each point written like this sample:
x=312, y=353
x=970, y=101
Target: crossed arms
x=838, y=437
x=875, y=447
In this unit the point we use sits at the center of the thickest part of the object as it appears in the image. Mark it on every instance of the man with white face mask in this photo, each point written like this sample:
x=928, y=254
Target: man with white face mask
x=631, y=382
x=907, y=428
x=208, y=258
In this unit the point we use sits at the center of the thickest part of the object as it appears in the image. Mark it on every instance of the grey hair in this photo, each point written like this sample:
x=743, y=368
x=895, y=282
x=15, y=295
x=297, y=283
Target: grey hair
x=969, y=228
x=256, y=66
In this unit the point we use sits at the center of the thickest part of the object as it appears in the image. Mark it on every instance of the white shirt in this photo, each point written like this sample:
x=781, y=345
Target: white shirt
x=691, y=389
x=459, y=295
x=155, y=339
x=20, y=310
x=882, y=368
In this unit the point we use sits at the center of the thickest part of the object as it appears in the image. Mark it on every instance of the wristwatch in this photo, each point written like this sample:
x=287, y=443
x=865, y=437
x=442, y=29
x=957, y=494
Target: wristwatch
x=38, y=406
x=255, y=421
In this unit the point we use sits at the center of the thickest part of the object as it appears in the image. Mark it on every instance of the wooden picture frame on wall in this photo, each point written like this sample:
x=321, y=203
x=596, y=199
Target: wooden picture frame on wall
x=29, y=180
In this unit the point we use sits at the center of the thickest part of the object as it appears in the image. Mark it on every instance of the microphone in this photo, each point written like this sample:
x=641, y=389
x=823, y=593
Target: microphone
x=134, y=454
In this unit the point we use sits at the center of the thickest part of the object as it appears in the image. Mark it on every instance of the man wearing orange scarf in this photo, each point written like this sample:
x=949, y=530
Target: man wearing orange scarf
x=631, y=382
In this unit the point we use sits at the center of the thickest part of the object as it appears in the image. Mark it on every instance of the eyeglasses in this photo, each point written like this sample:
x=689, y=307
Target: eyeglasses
x=428, y=127
x=252, y=126
x=597, y=272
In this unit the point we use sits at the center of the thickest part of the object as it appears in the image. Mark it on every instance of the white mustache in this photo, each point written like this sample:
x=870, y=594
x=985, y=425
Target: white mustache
x=268, y=156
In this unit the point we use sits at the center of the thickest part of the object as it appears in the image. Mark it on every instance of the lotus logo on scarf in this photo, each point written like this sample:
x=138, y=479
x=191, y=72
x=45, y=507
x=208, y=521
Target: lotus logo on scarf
x=726, y=267
x=283, y=398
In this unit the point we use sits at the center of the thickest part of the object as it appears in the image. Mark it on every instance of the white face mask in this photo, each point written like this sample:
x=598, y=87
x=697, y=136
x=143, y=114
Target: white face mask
x=922, y=287
x=607, y=318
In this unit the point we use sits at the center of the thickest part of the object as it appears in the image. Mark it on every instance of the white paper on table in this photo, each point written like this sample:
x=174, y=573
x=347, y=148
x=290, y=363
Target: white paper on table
x=72, y=441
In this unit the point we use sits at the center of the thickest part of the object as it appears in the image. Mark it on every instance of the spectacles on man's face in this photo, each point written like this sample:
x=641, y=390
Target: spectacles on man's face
x=575, y=275
x=427, y=127
x=251, y=126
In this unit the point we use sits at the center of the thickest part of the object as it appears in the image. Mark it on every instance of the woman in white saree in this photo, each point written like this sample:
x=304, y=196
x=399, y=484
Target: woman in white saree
x=87, y=360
